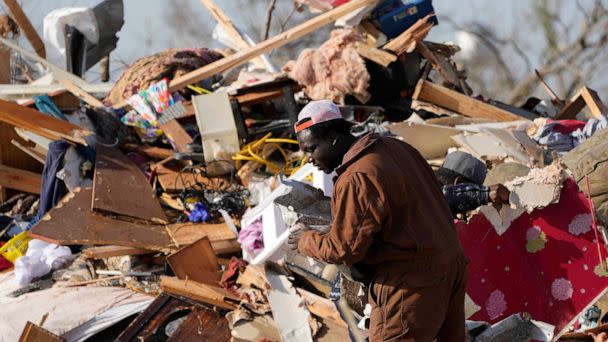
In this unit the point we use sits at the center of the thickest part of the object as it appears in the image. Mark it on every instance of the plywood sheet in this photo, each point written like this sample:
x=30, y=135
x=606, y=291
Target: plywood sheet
x=21, y=180
x=72, y=222
x=196, y=262
x=122, y=189
x=34, y=333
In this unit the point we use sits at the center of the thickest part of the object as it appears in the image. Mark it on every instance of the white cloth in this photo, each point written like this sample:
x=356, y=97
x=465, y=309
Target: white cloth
x=54, y=25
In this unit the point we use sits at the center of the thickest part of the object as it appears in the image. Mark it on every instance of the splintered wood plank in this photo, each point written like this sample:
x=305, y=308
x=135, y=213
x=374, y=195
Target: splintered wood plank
x=21, y=180
x=72, y=222
x=41, y=124
x=592, y=99
x=177, y=134
x=445, y=69
x=196, y=262
x=103, y=252
x=268, y=45
x=188, y=233
x=81, y=94
x=376, y=55
x=34, y=333
x=407, y=40
x=200, y=292
x=121, y=188
x=450, y=99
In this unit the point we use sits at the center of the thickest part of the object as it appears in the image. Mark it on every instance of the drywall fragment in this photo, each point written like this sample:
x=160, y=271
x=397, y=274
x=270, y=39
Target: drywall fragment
x=501, y=220
x=538, y=189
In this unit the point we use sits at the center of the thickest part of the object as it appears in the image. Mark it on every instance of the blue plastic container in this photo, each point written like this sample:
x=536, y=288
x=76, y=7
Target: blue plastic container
x=393, y=17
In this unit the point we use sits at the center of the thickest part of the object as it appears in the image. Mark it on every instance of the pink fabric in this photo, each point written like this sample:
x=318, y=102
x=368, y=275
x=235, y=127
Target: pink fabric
x=251, y=237
x=544, y=264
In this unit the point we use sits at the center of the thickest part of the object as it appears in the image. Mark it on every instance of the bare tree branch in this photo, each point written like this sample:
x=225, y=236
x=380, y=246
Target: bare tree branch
x=268, y=19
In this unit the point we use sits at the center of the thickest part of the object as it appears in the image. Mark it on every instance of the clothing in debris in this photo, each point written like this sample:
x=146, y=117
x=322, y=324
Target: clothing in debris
x=390, y=215
x=564, y=135
x=465, y=196
x=53, y=189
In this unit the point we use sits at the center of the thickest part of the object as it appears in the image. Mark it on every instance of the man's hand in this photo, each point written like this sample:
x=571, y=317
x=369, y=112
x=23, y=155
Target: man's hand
x=295, y=233
x=499, y=194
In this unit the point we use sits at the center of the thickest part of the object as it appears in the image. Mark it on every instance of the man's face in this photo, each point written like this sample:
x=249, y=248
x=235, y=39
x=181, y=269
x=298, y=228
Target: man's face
x=320, y=152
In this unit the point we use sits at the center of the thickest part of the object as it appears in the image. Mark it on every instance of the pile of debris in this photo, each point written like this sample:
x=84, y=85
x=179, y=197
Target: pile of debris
x=160, y=209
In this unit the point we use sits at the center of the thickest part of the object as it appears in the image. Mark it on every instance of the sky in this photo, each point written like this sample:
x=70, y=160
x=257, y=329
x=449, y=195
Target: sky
x=152, y=26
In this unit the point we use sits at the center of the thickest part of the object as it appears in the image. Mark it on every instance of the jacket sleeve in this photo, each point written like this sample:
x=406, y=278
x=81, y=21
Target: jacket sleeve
x=358, y=212
x=466, y=196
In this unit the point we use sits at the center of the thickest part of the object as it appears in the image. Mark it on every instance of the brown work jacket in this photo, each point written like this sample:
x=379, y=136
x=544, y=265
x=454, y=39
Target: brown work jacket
x=387, y=209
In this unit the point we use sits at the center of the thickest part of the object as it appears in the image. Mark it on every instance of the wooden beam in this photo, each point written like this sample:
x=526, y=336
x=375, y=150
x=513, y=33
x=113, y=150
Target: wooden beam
x=200, y=292
x=21, y=180
x=584, y=97
x=277, y=41
x=103, y=252
x=81, y=94
x=24, y=23
x=592, y=99
x=375, y=55
x=177, y=135
x=406, y=41
x=231, y=30
x=450, y=99
x=41, y=124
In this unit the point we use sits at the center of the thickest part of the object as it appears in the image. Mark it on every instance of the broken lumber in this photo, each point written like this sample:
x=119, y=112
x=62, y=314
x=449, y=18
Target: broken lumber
x=103, y=252
x=34, y=333
x=196, y=262
x=41, y=124
x=322, y=307
x=120, y=188
x=215, y=296
x=72, y=222
x=231, y=30
x=277, y=41
x=177, y=135
x=585, y=97
x=81, y=94
x=450, y=99
x=375, y=55
x=443, y=66
x=24, y=23
x=30, y=151
x=21, y=180
x=407, y=41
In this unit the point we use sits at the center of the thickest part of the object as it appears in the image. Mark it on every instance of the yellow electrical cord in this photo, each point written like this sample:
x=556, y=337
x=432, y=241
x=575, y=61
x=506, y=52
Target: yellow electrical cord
x=255, y=151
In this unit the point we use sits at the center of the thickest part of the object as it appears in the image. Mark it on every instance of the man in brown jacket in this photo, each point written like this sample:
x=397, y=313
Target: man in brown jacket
x=389, y=216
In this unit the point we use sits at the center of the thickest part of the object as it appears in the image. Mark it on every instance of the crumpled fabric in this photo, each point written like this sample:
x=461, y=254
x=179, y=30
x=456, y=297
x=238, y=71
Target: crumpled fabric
x=200, y=213
x=40, y=259
x=251, y=237
x=231, y=274
x=559, y=138
x=332, y=71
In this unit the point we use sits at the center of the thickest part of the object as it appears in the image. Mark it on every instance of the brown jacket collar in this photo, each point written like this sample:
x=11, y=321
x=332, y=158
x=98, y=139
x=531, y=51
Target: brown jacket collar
x=356, y=151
